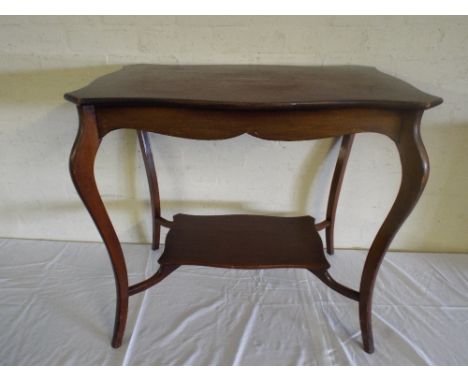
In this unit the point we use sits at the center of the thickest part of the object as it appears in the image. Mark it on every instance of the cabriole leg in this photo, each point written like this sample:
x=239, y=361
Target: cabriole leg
x=415, y=171
x=82, y=159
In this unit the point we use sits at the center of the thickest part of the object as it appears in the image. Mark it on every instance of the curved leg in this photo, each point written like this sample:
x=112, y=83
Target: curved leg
x=337, y=181
x=415, y=171
x=145, y=146
x=82, y=159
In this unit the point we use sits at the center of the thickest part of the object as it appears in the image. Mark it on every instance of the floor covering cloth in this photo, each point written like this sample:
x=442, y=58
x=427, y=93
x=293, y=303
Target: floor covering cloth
x=57, y=302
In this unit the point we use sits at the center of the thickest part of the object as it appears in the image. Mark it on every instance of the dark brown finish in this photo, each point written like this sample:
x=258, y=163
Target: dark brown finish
x=82, y=159
x=277, y=103
x=164, y=222
x=252, y=87
x=322, y=225
x=337, y=181
x=335, y=285
x=244, y=241
x=161, y=274
x=272, y=125
x=415, y=172
x=145, y=146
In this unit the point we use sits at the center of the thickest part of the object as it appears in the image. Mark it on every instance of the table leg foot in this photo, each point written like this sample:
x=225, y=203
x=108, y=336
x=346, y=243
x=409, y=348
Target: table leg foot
x=120, y=321
x=365, y=319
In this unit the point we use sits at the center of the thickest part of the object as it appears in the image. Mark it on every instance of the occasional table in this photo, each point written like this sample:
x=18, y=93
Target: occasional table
x=287, y=103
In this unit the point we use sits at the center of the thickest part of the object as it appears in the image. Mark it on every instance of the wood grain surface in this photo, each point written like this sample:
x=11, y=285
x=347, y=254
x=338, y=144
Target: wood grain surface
x=252, y=87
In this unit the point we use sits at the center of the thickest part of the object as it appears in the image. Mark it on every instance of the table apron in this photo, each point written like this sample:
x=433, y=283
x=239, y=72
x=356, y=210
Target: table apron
x=271, y=125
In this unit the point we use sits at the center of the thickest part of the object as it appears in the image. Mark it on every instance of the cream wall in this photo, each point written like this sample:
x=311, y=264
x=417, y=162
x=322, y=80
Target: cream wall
x=43, y=57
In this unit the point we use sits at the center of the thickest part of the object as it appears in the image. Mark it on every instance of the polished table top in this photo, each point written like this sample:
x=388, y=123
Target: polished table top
x=252, y=87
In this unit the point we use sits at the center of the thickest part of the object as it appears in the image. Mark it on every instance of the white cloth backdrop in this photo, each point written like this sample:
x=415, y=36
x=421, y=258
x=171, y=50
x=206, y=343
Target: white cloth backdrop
x=57, y=308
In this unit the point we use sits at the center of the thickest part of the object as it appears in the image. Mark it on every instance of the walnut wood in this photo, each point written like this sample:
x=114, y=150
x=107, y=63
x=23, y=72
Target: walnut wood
x=252, y=87
x=244, y=241
x=161, y=274
x=276, y=103
x=82, y=159
x=148, y=160
x=415, y=172
x=337, y=181
x=322, y=225
x=335, y=285
x=273, y=125
x=164, y=222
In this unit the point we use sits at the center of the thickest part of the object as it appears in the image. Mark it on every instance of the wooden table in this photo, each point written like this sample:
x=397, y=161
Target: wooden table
x=269, y=102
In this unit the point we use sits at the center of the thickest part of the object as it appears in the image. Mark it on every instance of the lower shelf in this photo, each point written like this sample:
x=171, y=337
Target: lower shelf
x=244, y=241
